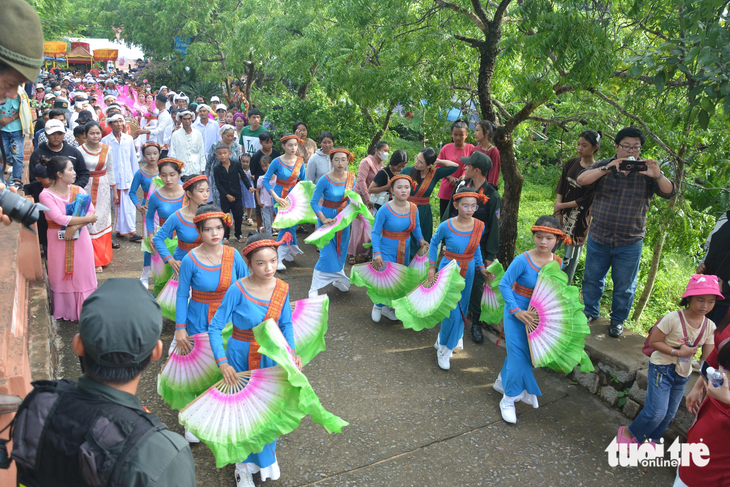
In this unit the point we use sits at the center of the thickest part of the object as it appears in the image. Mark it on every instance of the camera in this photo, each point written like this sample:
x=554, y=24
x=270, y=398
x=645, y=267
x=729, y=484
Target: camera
x=20, y=209
x=632, y=164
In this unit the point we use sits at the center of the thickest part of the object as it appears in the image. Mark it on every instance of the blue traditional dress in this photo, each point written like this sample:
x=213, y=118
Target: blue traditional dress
x=463, y=248
x=392, y=232
x=163, y=207
x=330, y=267
x=208, y=286
x=143, y=179
x=286, y=178
x=516, y=287
x=185, y=231
x=246, y=312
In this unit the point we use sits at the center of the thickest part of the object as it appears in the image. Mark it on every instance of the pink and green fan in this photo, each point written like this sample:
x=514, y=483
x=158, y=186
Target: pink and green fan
x=391, y=282
x=168, y=297
x=273, y=344
x=235, y=421
x=425, y=307
x=420, y=263
x=309, y=320
x=558, y=339
x=183, y=377
x=299, y=210
x=492, y=301
x=322, y=236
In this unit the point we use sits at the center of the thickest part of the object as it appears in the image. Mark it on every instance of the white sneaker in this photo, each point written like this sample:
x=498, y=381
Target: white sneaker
x=341, y=286
x=377, y=313
x=280, y=266
x=191, y=437
x=436, y=345
x=444, y=356
x=498, y=384
x=313, y=293
x=460, y=345
x=507, y=407
x=244, y=479
x=389, y=313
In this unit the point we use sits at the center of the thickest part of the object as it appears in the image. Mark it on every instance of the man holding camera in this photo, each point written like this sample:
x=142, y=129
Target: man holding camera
x=625, y=184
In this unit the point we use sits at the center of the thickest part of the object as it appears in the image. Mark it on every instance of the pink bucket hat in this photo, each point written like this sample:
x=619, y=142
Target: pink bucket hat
x=700, y=284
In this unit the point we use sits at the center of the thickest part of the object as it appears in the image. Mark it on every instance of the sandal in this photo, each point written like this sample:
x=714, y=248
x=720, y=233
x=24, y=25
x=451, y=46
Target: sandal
x=351, y=260
x=361, y=259
x=116, y=245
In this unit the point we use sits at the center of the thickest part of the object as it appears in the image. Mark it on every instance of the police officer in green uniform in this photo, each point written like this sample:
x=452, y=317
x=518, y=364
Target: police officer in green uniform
x=98, y=432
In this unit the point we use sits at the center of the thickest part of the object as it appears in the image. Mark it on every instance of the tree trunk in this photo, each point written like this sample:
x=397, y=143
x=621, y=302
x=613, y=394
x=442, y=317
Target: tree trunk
x=302, y=91
x=513, y=180
x=381, y=131
x=659, y=246
x=487, y=60
x=250, y=73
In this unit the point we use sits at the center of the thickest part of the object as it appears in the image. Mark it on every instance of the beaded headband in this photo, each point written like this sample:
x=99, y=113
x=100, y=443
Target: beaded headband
x=344, y=151
x=404, y=177
x=194, y=180
x=258, y=244
x=561, y=234
x=180, y=164
x=470, y=194
x=211, y=215
x=150, y=144
x=287, y=137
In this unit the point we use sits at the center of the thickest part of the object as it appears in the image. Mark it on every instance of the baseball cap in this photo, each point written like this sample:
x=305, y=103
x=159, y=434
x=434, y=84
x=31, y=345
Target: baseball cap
x=39, y=86
x=700, y=284
x=221, y=106
x=53, y=126
x=49, y=96
x=214, y=98
x=84, y=117
x=61, y=104
x=479, y=160
x=120, y=316
x=21, y=38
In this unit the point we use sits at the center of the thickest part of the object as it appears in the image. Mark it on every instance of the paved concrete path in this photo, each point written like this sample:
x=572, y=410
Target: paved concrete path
x=411, y=423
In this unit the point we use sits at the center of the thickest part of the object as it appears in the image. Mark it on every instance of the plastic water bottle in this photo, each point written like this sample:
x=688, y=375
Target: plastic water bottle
x=714, y=376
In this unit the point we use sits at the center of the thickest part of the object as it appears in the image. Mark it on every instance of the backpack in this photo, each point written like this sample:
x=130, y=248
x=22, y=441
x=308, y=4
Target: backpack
x=63, y=436
x=648, y=349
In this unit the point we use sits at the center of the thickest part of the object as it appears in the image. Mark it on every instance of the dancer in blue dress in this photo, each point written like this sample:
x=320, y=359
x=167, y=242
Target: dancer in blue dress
x=395, y=223
x=517, y=381
x=461, y=236
x=163, y=202
x=143, y=177
x=206, y=272
x=249, y=302
x=288, y=169
x=330, y=268
x=181, y=223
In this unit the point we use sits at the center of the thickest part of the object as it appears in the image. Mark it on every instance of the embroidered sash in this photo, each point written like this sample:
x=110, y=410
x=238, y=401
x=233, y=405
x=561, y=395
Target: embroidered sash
x=471, y=248
x=288, y=183
x=281, y=291
x=98, y=172
x=419, y=197
x=339, y=206
x=403, y=237
x=69, y=254
x=213, y=298
x=188, y=246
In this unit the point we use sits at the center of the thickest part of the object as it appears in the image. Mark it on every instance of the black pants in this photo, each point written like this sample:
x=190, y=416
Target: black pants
x=477, y=288
x=236, y=208
x=444, y=205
